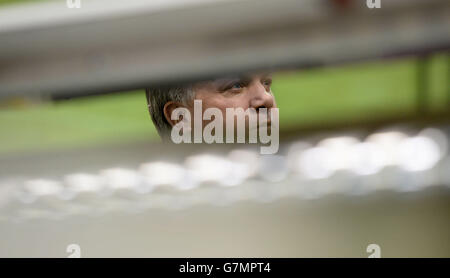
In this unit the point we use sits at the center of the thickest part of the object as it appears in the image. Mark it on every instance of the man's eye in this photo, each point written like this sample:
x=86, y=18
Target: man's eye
x=236, y=86
x=267, y=82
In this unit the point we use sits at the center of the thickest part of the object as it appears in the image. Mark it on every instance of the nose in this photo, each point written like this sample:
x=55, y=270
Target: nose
x=260, y=97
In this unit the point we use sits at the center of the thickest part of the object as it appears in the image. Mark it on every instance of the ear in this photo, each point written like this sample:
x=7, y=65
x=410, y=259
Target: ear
x=169, y=107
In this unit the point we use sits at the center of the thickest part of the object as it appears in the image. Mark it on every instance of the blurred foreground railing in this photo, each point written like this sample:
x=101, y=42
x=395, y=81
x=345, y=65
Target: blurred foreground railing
x=105, y=46
x=393, y=160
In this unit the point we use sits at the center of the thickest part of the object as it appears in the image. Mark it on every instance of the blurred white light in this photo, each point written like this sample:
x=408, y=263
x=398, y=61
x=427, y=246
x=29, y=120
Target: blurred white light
x=339, y=152
x=413, y=154
x=248, y=158
x=387, y=144
x=418, y=154
x=293, y=154
x=209, y=168
x=119, y=178
x=42, y=187
x=33, y=189
x=273, y=168
x=238, y=173
x=438, y=137
x=188, y=182
x=367, y=159
x=163, y=173
x=81, y=182
x=313, y=163
x=244, y=164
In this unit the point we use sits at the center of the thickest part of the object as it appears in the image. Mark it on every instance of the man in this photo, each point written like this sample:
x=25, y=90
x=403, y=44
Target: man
x=251, y=93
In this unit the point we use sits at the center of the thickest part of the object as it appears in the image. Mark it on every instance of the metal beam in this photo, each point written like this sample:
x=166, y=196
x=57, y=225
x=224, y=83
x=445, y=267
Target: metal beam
x=112, y=46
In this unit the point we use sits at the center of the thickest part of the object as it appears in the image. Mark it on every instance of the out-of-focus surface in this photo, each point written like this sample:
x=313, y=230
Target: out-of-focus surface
x=321, y=197
x=403, y=226
x=79, y=52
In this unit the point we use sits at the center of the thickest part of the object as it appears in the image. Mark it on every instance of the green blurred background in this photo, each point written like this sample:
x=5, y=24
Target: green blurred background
x=356, y=93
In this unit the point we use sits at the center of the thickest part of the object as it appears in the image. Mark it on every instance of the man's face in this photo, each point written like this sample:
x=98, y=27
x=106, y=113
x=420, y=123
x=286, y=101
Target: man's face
x=251, y=91
x=240, y=110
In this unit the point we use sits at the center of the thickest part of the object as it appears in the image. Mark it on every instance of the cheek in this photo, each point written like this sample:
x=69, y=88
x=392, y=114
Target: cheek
x=241, y=100
x=223, y=103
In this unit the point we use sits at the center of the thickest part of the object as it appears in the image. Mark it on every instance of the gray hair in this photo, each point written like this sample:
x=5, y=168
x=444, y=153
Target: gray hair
x=158, y=97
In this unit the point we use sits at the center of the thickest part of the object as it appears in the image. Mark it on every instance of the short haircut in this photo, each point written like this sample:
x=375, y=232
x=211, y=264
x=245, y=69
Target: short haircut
x=158, y=97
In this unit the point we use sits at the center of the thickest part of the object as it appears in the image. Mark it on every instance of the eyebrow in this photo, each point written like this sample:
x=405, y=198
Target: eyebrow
x=223, y=83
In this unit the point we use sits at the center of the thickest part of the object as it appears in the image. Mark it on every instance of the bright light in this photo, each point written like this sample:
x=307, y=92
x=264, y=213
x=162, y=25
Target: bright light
x=313, y=163
x=316, y=164
x=273, y=168
x=208, y=168
x=119, y=178
x=163, y=173
x=81, y=182
x=249, y=158
x=42, y=187
x=33, y=189
x=438, y=137
x=367, y=159
x=244, y=165
x=339, y=152
x=387, y=144
x=418, y=154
